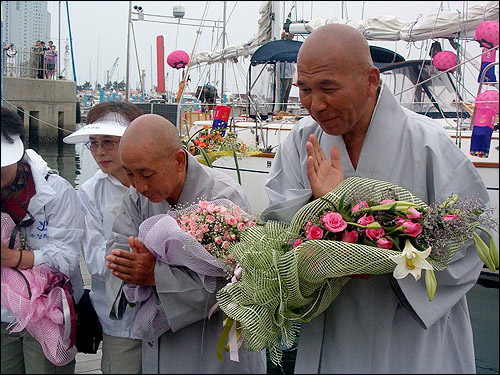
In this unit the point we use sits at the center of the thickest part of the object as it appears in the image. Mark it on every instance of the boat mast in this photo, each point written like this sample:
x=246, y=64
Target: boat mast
x=127, y=75
x=223, y=47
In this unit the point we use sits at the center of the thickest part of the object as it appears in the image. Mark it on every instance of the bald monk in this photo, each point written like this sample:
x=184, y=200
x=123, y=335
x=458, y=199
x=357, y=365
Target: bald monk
x=163, y=176
x=357, y=127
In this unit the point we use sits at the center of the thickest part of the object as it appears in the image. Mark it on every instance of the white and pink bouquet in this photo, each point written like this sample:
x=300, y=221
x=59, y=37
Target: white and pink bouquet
x=198, y=237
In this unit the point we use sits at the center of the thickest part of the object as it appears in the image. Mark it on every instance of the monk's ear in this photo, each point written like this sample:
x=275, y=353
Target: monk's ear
x=180, y=159
x=373, y=75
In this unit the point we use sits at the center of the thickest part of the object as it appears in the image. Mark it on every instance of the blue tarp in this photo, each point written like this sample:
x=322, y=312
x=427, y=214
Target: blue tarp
x=284, y=50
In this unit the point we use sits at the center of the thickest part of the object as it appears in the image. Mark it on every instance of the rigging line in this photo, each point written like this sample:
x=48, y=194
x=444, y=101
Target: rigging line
x=198, y=33
x=428, y=44
x=137, y=57
x=446, y=71
x=36, y=118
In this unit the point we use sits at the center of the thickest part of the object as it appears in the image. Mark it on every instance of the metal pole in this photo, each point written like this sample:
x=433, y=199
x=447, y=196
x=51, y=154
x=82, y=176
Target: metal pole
x=223, y=46
x=127, y=75
x=59, y=45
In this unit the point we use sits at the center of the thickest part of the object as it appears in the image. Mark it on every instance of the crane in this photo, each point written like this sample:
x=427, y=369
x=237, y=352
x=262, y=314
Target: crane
x=109, y=73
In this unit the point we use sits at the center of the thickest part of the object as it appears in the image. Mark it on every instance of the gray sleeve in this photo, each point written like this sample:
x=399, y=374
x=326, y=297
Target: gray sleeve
x=125, y=224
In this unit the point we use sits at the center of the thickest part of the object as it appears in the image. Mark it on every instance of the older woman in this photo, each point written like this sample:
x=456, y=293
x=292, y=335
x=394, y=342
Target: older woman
x=100, y=196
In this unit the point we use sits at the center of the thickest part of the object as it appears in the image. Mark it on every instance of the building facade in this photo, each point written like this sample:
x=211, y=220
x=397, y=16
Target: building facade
x=25, y=22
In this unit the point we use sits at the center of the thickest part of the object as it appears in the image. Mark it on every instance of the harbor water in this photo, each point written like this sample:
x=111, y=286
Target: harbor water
x=76, y=165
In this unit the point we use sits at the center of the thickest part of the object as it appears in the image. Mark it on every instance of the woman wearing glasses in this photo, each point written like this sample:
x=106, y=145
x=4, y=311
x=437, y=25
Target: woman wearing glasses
x=44, y=207
x=100, y=197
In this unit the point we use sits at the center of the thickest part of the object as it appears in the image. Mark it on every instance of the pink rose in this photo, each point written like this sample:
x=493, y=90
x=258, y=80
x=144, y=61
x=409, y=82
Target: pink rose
x=230, y=220
x=251, y=223
x=357, y=206
x=204, y=228
x=365, y=220
x=203, y=205
x=412, y=213
x=449, y=217
x=314, y=233
x=241, y=226
x=225, y=245
x=333, y=222
x=374, y=234
x=384, y=243
x=400, y=220
x=412, y=229
x=297, y=242
x=218, y=240
x=210, y=219
x=351, y=236
x=387, y=201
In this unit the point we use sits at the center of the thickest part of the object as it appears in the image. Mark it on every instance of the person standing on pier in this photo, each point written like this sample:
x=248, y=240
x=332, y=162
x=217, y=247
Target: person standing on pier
x=100, y=197
x=45, y=208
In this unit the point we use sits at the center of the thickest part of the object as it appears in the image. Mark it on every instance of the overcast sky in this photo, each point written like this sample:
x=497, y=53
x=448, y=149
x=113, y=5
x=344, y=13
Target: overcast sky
x=99, y=33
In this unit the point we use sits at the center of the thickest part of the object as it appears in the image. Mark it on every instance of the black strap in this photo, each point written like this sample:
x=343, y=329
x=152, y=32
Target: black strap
x=13, y=234
x=25, y=280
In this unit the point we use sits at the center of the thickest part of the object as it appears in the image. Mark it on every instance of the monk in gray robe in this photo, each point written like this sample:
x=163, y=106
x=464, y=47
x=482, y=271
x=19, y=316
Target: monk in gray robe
x=163, y=176
x=377, y=324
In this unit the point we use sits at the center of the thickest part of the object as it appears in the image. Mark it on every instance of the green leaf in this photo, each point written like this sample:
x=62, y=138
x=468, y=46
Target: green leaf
x=236, y=163
x=484, y=252
x=228, y=322
x=430, y=283
x=341, y=203
x=205, y=156
x=493, y=251
x=392, y=210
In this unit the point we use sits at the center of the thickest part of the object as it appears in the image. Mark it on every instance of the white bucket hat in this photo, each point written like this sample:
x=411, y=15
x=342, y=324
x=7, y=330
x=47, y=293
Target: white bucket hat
x=11, y=152
x=111, y=124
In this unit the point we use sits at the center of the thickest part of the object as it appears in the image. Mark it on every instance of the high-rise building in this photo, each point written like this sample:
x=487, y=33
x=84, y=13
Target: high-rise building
x=25, y=22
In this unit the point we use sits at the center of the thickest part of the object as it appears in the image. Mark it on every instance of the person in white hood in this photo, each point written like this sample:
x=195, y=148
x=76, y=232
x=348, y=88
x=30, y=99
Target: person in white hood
x=45, y=208
x=100, y=196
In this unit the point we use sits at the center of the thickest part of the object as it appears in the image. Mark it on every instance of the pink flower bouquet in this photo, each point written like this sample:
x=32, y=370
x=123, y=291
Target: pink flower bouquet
x=292, y=273
x=197, y=237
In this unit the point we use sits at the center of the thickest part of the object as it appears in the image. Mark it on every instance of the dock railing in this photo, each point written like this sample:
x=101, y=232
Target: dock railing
x=27, y=63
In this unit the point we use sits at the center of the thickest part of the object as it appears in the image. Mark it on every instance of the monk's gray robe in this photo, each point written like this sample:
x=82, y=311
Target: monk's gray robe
x=384, y=325
x=190, y=346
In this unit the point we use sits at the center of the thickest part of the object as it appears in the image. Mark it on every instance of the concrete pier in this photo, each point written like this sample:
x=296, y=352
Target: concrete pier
x=48, y=107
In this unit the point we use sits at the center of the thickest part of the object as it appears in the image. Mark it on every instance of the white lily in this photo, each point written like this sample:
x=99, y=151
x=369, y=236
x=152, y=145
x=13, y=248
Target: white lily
x=411, y=261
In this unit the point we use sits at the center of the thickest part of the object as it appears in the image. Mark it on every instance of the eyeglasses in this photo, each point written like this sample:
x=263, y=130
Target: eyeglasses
x=106, y=145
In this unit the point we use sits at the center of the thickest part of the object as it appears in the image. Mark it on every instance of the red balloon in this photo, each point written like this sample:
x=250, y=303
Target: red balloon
x=487, y=34
x=444, y=60
x=178, y=59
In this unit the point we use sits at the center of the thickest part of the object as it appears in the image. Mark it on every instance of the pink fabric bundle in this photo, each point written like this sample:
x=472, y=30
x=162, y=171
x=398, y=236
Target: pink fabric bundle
x=40, y=301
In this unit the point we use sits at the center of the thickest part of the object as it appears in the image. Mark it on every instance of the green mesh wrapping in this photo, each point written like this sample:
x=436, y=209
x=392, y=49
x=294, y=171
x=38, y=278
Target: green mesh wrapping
x=278, y=290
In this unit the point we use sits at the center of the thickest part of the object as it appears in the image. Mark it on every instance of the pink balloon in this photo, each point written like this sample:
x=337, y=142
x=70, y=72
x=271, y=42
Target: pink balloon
x=488, y=100
x=178, y=59
x=487, y=34
x=444, y=60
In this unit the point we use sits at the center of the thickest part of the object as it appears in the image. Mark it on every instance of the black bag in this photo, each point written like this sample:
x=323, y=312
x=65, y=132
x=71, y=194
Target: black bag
x=88, y=327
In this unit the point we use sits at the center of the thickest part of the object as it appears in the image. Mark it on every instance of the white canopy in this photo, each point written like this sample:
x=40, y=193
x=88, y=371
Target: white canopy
x=445, y=24
x=439, y=25
x=246, y=49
